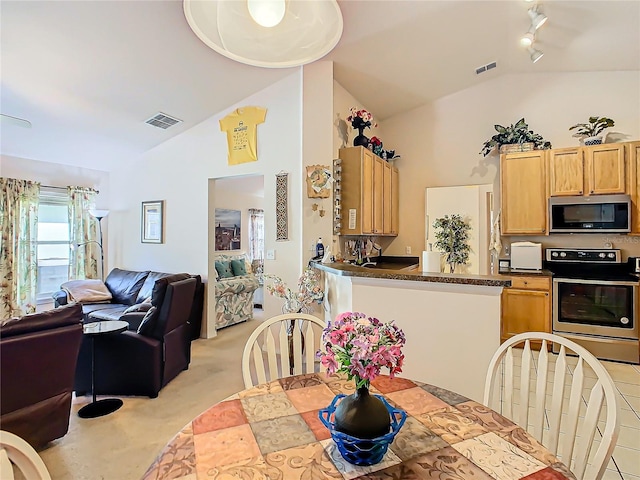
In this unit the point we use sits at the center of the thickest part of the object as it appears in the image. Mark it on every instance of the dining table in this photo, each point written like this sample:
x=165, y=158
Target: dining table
x=272, y=431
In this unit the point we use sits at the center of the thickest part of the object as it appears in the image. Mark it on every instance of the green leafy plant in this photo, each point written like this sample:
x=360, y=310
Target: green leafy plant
x=452, y=235
x=515, y=133
x=592, y=129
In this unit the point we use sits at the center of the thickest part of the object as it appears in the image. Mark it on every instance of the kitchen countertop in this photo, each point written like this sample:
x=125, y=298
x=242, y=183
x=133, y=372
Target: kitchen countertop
x=412, y=273
x=529, y=273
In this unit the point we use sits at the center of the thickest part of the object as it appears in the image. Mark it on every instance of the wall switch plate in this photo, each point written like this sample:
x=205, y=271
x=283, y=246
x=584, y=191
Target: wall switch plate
x=271, y=255
x=407, y=249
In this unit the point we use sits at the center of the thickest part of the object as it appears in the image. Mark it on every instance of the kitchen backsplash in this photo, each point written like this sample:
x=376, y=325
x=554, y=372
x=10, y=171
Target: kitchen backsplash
x=628, y=244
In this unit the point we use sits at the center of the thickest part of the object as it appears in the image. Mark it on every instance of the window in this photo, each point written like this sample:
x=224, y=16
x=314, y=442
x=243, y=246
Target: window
x=53, y=242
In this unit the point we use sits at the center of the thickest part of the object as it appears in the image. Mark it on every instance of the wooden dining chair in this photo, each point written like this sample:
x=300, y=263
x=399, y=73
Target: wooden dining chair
x=296, y=336
x=548, y=395
x=14, y=451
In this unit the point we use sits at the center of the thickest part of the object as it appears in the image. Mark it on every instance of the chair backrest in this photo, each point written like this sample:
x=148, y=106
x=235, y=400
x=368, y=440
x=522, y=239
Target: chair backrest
x=15, y=451
x=295, y=337
x=565, y=423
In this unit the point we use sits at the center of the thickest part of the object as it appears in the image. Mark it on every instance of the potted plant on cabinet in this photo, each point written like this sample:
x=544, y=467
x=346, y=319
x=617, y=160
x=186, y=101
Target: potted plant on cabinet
x=590, y=132
x=516, y=137
x=452, y=234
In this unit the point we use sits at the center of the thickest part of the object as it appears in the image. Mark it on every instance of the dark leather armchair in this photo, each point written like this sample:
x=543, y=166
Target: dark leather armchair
x=38, y=355
x=141, y=362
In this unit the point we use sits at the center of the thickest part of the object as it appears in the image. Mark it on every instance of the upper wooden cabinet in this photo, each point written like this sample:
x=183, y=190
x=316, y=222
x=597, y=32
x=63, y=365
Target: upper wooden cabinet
x=606, y=167
x=566, y=172
x=523, y=189
x=634, y=185
x=593, y=170
x=369, y=194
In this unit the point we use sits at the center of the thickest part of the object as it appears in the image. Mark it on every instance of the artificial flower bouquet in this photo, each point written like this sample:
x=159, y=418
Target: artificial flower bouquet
x=309, y=290
x=360, y=346
x=360, y=118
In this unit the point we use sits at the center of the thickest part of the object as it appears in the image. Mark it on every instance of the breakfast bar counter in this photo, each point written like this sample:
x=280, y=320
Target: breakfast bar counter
x=451, y=321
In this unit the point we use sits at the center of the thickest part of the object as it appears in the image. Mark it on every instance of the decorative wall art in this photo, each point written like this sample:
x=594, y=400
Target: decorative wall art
x=228, y=229
x=152, y=222
x=241, y=127
x=319, y=181
x=282, y=206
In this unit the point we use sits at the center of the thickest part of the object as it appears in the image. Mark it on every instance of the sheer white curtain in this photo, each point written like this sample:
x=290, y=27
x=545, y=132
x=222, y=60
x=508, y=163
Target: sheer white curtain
x=256, y=236
x=83, y=234
x=18, y=247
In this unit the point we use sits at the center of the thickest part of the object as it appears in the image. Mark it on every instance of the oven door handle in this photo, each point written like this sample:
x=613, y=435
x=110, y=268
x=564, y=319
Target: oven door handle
x=596, y=282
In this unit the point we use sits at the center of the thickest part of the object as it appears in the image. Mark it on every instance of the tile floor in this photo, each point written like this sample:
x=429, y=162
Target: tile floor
x=625, y=463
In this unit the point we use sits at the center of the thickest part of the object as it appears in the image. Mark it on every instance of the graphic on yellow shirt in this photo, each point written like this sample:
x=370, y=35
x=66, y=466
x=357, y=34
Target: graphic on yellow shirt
x=241, y=126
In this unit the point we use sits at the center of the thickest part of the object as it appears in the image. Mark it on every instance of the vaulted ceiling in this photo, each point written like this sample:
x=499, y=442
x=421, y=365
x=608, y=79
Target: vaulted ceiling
x=87, y=74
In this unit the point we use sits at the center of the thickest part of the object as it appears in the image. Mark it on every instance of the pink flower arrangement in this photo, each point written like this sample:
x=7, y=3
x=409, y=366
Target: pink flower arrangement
x=309, y=290
x=360, y=346
x=360, y=118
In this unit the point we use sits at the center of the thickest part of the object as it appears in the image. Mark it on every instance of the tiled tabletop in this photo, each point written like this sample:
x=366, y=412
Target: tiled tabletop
x=272, y=431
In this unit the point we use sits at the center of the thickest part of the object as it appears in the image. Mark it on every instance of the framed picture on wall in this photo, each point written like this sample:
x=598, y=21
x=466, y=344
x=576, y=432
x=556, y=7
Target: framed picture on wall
x=152, y=221
x=228, y=229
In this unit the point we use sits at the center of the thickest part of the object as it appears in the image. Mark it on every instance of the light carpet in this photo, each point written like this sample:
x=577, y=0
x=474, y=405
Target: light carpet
x=121, y=446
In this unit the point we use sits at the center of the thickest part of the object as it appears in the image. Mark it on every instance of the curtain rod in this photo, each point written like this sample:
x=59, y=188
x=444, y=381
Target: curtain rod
x=64, y=188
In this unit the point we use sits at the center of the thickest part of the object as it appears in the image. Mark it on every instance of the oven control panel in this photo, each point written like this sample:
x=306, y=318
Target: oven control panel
x=584, y=255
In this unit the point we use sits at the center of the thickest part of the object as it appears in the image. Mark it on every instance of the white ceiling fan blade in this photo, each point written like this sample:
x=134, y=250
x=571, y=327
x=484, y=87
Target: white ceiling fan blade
x=20, y=122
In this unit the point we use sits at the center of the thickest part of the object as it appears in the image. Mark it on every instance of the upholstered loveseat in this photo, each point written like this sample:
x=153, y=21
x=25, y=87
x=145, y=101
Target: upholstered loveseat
x=235, y=285
x=125, y=295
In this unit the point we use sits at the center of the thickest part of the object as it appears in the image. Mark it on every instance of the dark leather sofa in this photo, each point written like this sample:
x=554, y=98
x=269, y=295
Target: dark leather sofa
x=38, y=355
x=153, y=351
x=131, y=288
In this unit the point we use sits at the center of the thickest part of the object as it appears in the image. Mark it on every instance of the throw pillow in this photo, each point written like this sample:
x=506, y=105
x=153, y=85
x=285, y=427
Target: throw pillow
x=224, y=269
x=238, y=267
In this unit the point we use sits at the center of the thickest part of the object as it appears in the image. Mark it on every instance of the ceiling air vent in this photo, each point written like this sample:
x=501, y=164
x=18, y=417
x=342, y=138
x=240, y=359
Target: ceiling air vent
x=486, y=68
x=162, y=120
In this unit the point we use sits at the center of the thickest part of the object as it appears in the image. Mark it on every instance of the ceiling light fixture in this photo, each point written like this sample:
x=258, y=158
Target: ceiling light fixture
x=267, y=13
x=528, y=38
x=298, y=32
x=535, y=54
x=537, y=17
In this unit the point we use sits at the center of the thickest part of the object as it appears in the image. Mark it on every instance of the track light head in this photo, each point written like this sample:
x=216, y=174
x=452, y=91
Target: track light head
x=535, y=54
x=528, y=38
x=537, y=18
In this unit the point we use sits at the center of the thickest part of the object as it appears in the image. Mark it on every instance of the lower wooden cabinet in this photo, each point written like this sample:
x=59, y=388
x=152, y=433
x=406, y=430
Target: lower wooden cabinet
x=526, y=306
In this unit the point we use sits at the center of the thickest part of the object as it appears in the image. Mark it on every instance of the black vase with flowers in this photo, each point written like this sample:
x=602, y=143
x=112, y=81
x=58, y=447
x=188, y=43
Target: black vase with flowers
x=361, y=139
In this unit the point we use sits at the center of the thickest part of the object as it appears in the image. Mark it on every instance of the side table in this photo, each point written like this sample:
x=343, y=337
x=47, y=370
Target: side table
x=98, y=408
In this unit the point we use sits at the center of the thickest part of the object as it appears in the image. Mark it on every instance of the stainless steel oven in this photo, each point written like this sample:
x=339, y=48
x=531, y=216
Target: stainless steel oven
x=595, y=302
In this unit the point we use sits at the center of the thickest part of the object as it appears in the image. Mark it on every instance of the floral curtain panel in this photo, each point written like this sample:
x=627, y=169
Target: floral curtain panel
x=256, y=235
x=83, y=234
x=18, y=247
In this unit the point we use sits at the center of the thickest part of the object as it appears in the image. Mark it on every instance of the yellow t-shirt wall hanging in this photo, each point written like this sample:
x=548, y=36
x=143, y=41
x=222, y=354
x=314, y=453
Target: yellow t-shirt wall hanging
x=241, y=126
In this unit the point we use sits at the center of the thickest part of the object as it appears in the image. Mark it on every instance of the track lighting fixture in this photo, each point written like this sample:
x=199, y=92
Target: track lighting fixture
x=537, y=17
x=528, y=38
x=534, y=54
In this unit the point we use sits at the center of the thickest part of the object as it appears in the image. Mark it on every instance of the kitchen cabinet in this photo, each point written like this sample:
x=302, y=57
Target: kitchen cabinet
x=606, y=167
x=369, y=194
x=566, y=171
x=523, y=187
x=592, y=170
x=526, y=306
x=634, y=185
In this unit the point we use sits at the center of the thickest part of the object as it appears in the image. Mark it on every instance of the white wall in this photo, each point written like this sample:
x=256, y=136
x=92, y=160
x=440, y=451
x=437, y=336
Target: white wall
x=317, y=149
x=439, y=142
x=179, y=172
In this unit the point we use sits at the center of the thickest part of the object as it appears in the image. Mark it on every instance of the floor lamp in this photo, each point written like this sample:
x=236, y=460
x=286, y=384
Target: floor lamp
x=99, y=215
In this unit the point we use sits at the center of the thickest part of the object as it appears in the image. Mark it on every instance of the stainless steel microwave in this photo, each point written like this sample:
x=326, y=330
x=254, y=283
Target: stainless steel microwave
x=592, y=214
